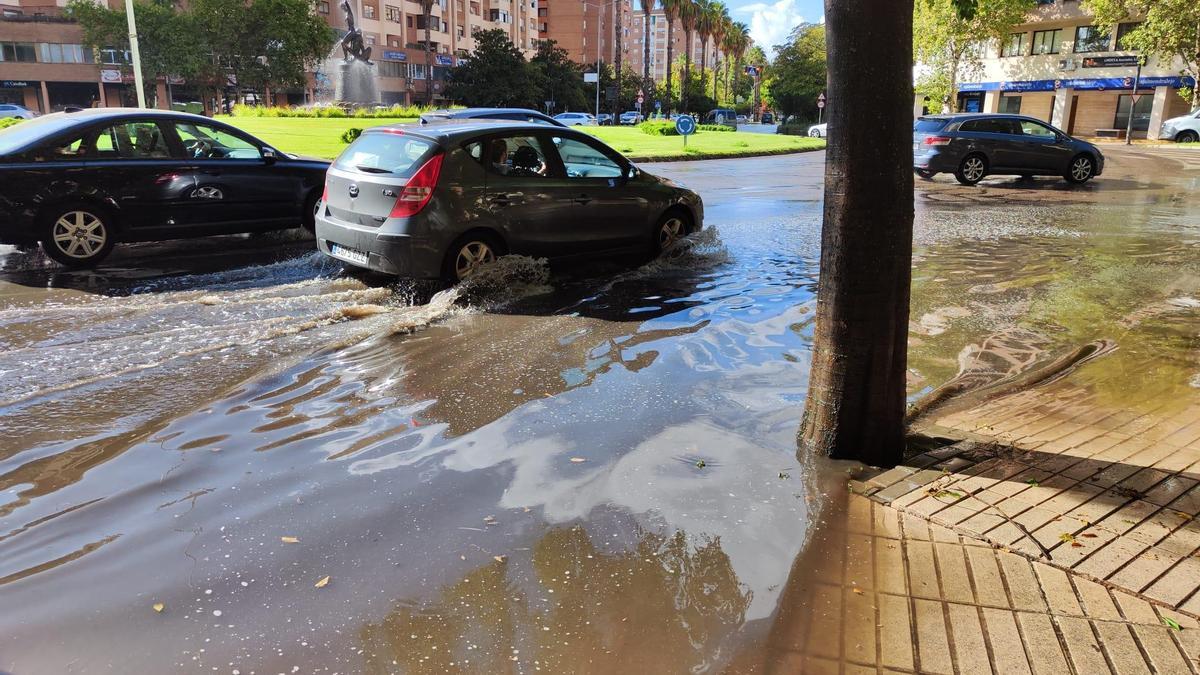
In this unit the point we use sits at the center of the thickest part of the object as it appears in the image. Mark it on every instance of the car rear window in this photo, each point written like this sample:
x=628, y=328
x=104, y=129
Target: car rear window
x=928, y=126
x=386, y=152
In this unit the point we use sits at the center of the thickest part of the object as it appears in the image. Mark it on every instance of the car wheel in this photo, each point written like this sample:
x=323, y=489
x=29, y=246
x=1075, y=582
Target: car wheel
x=925, y=173
x=815, y=133
x=78, y=235
x=971, y=170
x=312, y=206
x=1187, y=137
x=1081, y=169
x=470, y=252
x=673, y=226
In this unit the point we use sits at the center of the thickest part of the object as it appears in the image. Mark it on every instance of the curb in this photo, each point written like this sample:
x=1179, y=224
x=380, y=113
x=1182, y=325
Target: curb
x=738, y=155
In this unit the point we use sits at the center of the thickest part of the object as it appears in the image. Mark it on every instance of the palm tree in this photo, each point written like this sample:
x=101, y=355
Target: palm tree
x=426, y=11
x=737, y=41
x=689, y=13
x=718, y=29
x=704, y=26
x=647, y=10
x=671, y=12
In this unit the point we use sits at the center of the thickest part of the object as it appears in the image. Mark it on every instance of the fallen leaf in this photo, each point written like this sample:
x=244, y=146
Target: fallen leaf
x=1089, y=535
x=700, y=464
x=578, y=460
x=1066, y=537
x=784, y=474
x=322, y=582
x=500, y=558
x=290, y=540
x=158, y=606
x=857, y=591
x=1032, y=482
x=1076, y=544
x=948, y=493
x=1171, y=623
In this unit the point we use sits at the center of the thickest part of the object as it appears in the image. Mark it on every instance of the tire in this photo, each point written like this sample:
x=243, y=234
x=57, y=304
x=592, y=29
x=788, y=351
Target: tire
x=1187, y=137
x=481, y=247
x=925, y=174
x=815, y=133
x=309, y=214
x=673, y=225
x=1080, y=170
x=972, y=169
x=78, y=235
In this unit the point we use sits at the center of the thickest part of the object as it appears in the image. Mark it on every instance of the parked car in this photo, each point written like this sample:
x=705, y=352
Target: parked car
x=723, y=117
x=77, y=183
x=441, y=200
x=973, y=145
x=14, y=110
x=631, y=117
x=514, y=114
x=767, y=118
x=574, y=119
x=1183, y=129
x=819, y=130
x=604, y=119
x=742, y=119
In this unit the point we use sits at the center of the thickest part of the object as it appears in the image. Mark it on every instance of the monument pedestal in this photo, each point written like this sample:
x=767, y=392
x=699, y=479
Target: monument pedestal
x=356, y=84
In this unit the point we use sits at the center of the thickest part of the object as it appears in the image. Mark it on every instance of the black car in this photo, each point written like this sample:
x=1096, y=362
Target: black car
x=511, y=114
x=972, y=146
x=79, y=182
x=442, y=199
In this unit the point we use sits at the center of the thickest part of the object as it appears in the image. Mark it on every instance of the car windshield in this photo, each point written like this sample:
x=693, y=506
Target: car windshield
x=21, y=135
x=927, y=125
x=385, y=152
x=1195, y=111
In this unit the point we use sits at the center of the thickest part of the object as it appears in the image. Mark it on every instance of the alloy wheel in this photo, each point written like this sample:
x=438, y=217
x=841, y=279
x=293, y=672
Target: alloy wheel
x=670, y=232
x=79, y=234
x=471, y=257
x=973, y=169
x=1081, y=169
x=815, y=133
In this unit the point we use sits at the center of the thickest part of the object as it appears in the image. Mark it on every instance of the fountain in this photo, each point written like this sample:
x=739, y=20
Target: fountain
x=355, y=83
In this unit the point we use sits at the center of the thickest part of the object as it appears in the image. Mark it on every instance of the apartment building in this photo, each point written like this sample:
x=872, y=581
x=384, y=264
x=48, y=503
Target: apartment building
x=1060, y=68
x=658, y=44
x=586, y=29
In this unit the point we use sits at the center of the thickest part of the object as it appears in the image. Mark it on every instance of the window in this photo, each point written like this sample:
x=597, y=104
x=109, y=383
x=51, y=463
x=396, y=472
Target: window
x=1141, y=112
x=1090, y=39
x=132, y=140
x=1047, y=41
x=1010, y=105
x=21, y=52
x=1014, y=45
x=369, y=11
x=584, y=161
x=990, y=126
x=323, y=6
x=392, y=68
x=60, y=152
x=1036, y=130
x=201, y=141
x=114, y=57
x=393, y=154
x=515, y=156
x=543, y=11
x=392, y=13
x=498, y=15
x=1124, y=29
x=56, y=53
x=416, y=71
x=408, y=20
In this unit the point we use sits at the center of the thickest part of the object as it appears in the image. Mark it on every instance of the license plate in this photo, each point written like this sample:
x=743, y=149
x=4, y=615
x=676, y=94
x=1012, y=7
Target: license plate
x=349, y=254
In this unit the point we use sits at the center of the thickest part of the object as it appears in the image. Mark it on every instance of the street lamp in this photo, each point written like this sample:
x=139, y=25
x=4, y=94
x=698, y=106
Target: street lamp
x=133, y=53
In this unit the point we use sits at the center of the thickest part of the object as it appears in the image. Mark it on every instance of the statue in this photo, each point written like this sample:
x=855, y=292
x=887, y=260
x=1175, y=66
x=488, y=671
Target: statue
x=352, y=44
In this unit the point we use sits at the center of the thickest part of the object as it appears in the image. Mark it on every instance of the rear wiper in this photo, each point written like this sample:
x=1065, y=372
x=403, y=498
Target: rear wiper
x=372, y=169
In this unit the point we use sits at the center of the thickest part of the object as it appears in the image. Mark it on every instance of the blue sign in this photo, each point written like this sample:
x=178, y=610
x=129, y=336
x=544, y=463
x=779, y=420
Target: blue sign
x=444, y=60
x=685, y=125
x=394, y=56
x=1082, y=84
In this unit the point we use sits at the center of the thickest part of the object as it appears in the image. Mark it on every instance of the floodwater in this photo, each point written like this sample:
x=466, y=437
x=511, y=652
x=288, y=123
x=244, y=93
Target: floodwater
x=231, y=456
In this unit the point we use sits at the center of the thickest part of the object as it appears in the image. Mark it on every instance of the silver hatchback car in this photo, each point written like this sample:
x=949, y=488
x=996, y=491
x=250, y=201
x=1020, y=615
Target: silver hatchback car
x=441, y=200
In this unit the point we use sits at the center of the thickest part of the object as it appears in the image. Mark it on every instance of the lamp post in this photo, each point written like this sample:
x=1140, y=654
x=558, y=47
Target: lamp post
x=133, y=52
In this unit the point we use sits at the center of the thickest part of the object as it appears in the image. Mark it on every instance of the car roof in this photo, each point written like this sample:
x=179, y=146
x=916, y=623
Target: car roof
x=470, y=112
x=455, y=130
x=965, y=116
x=40, y=128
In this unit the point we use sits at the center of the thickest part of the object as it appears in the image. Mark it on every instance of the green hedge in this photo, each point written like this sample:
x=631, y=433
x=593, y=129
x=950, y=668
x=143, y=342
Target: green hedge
x=658, y=128
x=350, y=135
x=9, y=121
x=409, y=111
x=713, y=127
x=793, y=129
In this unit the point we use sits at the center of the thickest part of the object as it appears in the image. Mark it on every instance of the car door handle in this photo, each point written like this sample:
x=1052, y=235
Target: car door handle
x=582, y=199
x=507, y=198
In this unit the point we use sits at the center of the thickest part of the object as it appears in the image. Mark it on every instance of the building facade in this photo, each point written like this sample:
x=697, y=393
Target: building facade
x=658, y=43
x=586, y=29
x=1060, y=68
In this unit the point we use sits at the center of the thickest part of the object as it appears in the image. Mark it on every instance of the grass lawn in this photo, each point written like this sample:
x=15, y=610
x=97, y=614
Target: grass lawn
x=321, y=137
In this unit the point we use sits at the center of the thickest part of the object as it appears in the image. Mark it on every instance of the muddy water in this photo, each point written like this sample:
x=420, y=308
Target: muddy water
x=554, y=470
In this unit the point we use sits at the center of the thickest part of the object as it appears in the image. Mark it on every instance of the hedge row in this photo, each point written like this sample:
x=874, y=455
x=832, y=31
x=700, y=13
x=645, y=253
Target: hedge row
x=409, y=111
x=667, y=127
x=9, y=121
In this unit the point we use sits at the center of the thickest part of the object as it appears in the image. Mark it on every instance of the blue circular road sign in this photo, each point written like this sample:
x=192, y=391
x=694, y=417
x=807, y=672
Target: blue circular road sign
x=685, y=125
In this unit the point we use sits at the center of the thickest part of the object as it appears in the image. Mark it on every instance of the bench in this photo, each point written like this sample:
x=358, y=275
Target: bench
x=1110, y=133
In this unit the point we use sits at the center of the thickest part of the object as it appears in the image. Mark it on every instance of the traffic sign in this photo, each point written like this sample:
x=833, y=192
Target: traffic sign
x=641, y=99
x=685, y=125
x=820, y=103
x=821, y=98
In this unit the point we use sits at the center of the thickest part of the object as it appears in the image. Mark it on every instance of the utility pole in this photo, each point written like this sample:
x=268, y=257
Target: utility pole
x=133, y=52
x=1133, y=99
x=599, y=22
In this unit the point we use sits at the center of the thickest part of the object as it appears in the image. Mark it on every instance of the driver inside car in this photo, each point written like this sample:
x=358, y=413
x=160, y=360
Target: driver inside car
x=527, y=162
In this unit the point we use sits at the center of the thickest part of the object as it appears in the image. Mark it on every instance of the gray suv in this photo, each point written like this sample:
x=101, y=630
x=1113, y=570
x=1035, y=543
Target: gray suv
x=441, y=200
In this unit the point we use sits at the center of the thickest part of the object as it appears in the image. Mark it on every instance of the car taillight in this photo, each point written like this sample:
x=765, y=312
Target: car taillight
x=325, y=193
x=937, y=140
x=419, y=190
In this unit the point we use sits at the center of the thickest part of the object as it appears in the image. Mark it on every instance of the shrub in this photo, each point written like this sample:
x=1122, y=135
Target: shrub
x=658, y=128
x=9, y=121
x=792, y=129
x=330, y=111
x=350, y=135
x=713, y=127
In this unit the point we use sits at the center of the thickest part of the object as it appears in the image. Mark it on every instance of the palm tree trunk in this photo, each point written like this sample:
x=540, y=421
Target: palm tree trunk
x=856, y=392
x=686, y=77
x=647, y=8
x=670, y=54
x=428, y=6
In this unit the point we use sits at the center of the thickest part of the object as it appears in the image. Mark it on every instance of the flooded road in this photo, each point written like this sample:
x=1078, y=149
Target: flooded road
x=231, y=456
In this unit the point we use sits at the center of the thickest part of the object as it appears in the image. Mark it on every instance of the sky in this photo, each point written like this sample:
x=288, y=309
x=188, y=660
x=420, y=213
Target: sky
x=771, y=21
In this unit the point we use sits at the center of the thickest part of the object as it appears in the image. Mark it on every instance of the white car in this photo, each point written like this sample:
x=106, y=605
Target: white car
x=577, y=119
x=13, y=110
x=1185, y=129
x=742, y=119
x=818, y=130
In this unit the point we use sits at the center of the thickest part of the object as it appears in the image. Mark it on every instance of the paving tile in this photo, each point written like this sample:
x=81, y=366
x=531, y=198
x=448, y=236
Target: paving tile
x=1144, y=569
x=1008, y=652
x=933, y=645
x=970, y=651
x=914, y=528
x=886, y=522
x=1115, y=555
x=859, y=623
x=1178, y=583
x=1155, y=528
x=1095, y=600
x=1135, y=609
x=1188, y=503
x=942, y=534
x=1122, y=650
x=952, y=564
x=855, y=669
x=1022, y=584
x=858, y=516
x=860, y=561
x=922, y=574
x=895, y=637
x=1082, y=645
x=1041, y=644
x=1163, y=652
x=825, y=635
x=819, y=666
x=1169, y=489
x=891, y=476
x=1057, y=588
x=1179, y=460
x=890, y=574
x=989, y=585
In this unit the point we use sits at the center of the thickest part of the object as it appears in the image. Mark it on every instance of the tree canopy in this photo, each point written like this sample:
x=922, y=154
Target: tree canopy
x=496, y=75
x=798, y=74
x=1168, y=29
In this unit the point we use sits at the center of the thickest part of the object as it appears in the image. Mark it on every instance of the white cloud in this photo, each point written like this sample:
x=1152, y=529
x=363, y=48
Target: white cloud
x=770, y=23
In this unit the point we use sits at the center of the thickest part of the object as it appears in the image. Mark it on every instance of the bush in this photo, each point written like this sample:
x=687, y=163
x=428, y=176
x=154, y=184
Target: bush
x=792, y=129
x=9, y=121
x=330, y=111
x=713, y=127
x=350, y=135
x=659, y=128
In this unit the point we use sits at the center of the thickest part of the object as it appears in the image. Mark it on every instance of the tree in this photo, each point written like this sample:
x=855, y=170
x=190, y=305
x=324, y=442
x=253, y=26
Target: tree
x=798, y=75
x=1169, y=29
x=947, y=41
x=558, y=77
x=647, y=10
x=689, y=13
x=737, y=41
x=496, y=75
x=671, y=10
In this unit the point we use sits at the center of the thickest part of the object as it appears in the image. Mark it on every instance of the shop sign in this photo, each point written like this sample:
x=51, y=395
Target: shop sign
x=14, y=84
x=110, y=76
x=1110, y=61
x=394, y=56
x=1081, y=84
x=444, y=60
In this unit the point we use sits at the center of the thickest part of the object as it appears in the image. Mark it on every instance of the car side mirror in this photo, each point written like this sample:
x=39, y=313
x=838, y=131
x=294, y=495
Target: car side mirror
x=629, y=172
x=269, y=156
